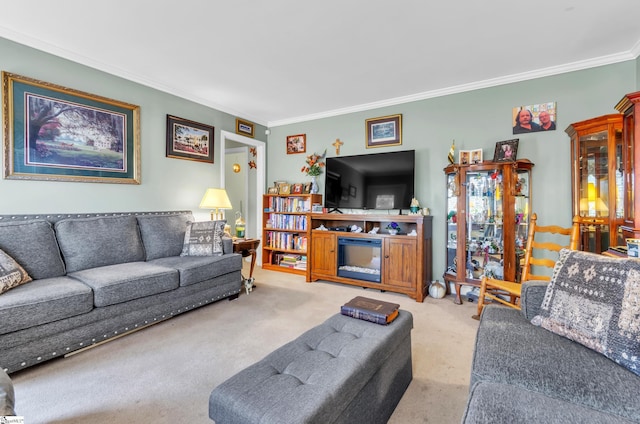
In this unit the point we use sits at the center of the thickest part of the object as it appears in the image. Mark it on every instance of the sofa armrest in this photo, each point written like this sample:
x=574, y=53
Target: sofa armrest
x=531, y=296
x=227, y=245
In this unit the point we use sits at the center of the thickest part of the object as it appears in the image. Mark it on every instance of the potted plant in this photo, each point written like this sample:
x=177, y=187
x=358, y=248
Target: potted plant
x=393, y=228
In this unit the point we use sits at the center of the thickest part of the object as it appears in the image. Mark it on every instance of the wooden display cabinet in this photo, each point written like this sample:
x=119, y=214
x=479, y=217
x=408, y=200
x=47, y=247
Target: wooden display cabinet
x=286, y=232
x=399, y=263
x=597, y=180
x=488, y=207
x=629, y=106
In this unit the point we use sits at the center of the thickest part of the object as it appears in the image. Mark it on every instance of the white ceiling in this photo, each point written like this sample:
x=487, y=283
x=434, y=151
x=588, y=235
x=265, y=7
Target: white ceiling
x=282, y=61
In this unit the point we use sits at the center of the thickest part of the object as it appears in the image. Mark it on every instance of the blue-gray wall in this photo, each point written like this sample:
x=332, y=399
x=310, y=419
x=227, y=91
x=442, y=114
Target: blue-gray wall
x=476, y=119
x=167, y=183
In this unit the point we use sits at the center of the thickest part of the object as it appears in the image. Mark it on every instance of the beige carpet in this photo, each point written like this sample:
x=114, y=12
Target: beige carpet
x=164, y=374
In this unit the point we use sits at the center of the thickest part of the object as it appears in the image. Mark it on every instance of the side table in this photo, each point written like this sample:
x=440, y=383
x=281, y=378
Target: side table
x=247, y=247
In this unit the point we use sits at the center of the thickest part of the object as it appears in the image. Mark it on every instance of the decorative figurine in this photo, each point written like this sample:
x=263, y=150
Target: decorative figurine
x=414, y=208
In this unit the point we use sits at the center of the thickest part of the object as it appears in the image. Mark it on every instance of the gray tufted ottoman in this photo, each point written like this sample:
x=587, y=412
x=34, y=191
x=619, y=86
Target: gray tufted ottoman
x=343, y=371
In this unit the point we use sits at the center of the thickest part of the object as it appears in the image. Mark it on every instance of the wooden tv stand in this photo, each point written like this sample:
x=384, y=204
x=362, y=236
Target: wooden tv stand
x=405, y=261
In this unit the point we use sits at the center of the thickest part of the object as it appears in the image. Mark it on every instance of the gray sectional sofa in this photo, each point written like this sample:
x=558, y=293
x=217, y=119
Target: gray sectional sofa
x=523, y=373
x=97, y=276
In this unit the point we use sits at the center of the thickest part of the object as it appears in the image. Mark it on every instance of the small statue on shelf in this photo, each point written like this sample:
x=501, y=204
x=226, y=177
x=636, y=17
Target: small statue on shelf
x=414, y=207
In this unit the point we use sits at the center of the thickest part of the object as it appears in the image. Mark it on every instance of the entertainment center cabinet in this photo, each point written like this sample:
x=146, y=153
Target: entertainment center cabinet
x=399, y=263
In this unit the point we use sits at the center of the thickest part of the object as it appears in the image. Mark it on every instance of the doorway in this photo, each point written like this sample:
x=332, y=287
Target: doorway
x=240, y=149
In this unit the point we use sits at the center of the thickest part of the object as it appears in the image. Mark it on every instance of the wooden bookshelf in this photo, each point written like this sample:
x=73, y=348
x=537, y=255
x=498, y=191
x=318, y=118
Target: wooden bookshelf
x=286, y=233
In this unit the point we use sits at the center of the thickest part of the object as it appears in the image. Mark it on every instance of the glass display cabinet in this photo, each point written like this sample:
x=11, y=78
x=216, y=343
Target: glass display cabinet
x=488, y=208
x=597, y=175
x=629, y=106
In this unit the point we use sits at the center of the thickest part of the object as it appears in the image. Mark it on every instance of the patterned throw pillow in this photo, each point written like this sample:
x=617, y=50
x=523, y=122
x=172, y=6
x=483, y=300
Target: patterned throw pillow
x=203, y=238
x=595, y=300
x=11, y=273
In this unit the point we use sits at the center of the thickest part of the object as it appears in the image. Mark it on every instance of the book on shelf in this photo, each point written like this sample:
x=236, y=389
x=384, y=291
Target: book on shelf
x=368, y=309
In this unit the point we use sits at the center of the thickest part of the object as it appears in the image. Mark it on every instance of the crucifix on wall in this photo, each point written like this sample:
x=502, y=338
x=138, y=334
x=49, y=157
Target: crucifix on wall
x=337, y=145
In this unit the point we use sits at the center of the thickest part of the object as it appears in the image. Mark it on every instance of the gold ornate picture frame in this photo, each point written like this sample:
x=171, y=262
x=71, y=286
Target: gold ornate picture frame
x=57, y=133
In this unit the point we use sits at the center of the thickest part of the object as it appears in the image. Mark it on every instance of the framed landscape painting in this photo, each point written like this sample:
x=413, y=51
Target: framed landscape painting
x=189, y=140
x=59, y=134
x=384, y=131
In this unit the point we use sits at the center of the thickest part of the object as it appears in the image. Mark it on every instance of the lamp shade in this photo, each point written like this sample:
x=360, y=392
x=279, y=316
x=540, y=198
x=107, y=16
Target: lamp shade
x=215, y=198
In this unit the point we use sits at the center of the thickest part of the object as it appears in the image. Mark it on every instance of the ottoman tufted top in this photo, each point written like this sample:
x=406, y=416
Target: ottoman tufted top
x=314, y=377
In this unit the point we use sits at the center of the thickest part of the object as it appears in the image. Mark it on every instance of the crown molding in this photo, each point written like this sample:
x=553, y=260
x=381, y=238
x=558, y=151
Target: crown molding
x=493, y=82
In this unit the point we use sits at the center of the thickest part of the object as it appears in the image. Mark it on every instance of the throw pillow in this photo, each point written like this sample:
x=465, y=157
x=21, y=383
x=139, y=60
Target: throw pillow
x=203, y=238
x=595, y=300
x=11, y=273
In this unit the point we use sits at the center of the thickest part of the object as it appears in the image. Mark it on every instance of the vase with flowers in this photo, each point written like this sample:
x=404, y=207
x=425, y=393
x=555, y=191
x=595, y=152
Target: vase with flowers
x=393, y=228
x=313, y=168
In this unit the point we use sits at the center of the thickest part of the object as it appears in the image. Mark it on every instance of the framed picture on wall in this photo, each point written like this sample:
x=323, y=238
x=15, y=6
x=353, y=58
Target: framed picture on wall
x=189, y=140
x=296, y=143
x=384, y=131
x=244, y=128
x=56, y=133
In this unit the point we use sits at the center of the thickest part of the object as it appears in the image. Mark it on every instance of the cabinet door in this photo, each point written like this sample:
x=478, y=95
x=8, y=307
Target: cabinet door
x=400, y=261
x=484, y=229
x=324, y=254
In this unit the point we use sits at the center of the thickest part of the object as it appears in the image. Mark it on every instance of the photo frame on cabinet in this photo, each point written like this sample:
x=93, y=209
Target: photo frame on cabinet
x=506, y=151
x=55, y=133
x=245, y=128
x=284, y=188
x=384, y=131
x=464, y=157
x=296, y=188
x=189, y=140
x=296, y=143
x=475, y=156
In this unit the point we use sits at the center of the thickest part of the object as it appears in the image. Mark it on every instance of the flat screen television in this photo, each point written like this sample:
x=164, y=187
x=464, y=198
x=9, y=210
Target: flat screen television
x=370, y=181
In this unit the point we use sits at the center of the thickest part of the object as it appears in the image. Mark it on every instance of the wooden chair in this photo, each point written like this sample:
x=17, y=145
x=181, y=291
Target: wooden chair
x=539, y=251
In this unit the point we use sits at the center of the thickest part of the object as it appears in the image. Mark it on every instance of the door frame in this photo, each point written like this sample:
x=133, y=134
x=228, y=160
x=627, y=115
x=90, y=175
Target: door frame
x=260, y=171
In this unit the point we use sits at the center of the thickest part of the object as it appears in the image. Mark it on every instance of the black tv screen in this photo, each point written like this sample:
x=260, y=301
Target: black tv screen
x=371, y=181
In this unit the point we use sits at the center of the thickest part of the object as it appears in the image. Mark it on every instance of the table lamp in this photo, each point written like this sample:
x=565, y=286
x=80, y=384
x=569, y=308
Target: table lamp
x=215, y=198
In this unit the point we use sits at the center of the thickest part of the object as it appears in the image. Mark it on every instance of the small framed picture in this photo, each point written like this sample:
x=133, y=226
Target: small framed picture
x=306, y=189
x=273, y=190
x=296, y=143
x=464, y=157
x=244, y=128
x=296, y=188
x=352, y=191
x=284, y=188
x=384, y=131
x=476, y=156
x=189, y=140
x=506, y=151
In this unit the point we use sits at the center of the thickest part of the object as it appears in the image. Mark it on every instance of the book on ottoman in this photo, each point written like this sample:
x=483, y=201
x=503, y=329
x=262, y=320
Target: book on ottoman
x=373, y=310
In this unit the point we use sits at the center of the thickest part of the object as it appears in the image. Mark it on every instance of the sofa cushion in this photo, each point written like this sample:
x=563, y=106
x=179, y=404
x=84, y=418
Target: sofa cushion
x=203, y=238
x=194, y=269
x=163, y=235
x=595, y=300
x=11, y=273
x=119, y=283
x=492, y=403
x=510, y=350
x=33, y=245
x=43, y=301
x=99, y=241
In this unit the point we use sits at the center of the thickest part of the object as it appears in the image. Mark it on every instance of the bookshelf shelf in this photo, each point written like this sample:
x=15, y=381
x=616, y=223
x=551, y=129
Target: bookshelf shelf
x=287, y=232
